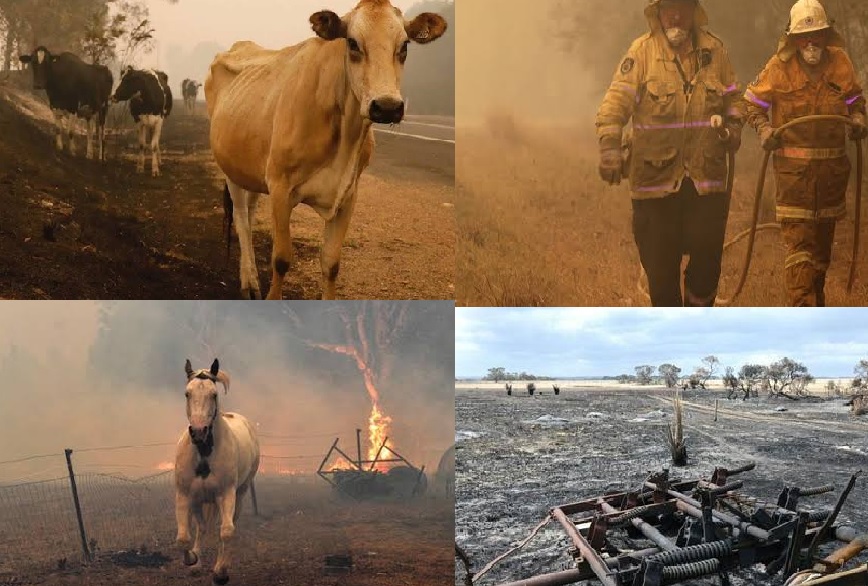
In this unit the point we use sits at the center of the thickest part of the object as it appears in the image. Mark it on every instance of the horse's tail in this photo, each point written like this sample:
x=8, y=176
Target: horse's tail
x=227, y=217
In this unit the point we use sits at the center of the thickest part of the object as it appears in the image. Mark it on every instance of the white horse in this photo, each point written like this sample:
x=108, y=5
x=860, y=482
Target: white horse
x=216, y=460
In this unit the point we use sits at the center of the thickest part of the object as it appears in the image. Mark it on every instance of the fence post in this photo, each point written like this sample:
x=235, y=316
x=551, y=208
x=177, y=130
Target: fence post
x=715, y=409
x=84, y=547
x=253, y=496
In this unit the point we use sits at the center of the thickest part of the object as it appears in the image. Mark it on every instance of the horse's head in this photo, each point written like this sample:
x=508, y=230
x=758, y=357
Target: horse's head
x=202, y=406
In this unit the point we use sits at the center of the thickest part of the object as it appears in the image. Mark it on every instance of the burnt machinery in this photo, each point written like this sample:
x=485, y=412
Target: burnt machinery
x=704, y=528
x=387, y=475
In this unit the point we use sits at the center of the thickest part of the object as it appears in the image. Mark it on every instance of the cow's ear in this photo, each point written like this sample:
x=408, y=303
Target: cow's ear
x=426, y=27
x=25, y=58
x=328, y=25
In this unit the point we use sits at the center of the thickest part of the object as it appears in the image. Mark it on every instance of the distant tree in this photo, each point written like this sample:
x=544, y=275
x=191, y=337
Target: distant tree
x=705, y=372
x=833, y=388
x=787, y=374
x=861, y=370
x=643, y=374
x=669, y=373
x=626, y=378
x=749, y=376
x=730, y=382
x=497, y=374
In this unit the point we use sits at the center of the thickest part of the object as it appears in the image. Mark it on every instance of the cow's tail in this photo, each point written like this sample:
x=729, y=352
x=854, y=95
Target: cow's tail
x=227, y=217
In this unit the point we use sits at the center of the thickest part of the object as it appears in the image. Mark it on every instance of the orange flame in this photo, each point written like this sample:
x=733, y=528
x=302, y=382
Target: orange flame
x=378, y=426
x=378, y=422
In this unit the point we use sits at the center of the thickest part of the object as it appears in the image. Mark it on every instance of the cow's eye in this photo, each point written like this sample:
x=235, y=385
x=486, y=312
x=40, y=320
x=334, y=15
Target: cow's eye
x=353, y=45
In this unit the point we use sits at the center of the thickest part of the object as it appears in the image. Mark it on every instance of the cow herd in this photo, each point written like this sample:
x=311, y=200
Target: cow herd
x=77, y=89
x=294, y=124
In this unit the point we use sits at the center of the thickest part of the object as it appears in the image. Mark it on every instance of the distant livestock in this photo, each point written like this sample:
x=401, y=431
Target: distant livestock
x=150, y=102
x=75, y=89
x=190, y=91
x=295, y=123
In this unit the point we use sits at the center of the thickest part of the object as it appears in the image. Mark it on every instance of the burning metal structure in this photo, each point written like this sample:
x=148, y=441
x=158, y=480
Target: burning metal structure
x=704, y=528
x=387, y=475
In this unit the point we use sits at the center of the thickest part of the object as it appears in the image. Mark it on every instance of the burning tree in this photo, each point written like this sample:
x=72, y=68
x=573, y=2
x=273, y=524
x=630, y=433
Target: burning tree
x=369, y=335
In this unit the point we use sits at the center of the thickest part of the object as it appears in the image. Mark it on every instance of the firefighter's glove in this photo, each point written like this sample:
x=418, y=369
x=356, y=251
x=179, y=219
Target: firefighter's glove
x=610, y=165
x=732, y=139
x=769, y=140
x=858, y=130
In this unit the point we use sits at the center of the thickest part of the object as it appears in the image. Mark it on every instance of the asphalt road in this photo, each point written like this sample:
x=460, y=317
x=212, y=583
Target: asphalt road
x=421, y=148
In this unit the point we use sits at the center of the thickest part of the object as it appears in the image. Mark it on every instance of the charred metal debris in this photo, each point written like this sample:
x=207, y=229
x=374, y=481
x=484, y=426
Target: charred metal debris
x=705, y=528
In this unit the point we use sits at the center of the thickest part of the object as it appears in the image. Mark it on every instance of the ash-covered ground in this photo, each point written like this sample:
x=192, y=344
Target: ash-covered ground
x=518, y=456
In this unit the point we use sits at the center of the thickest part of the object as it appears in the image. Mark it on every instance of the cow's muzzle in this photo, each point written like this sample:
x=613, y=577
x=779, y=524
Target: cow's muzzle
x=386, y=111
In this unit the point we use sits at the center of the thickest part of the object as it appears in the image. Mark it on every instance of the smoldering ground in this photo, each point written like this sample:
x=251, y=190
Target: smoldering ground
x=536, y=224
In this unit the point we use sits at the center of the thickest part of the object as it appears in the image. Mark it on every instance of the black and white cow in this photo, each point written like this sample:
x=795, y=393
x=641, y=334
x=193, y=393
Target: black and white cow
x=150, y=102
x=74, y=88
x=190, y=90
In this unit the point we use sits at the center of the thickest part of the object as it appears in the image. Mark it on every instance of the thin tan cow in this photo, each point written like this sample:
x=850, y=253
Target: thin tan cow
x=295, y=123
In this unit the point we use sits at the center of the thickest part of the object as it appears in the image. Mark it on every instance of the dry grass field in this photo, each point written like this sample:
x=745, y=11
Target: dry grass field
x=536, y=225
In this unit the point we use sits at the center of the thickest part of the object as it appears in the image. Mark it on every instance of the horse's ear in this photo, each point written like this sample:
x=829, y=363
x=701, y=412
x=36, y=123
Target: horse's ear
x=215, y=367
x=188, y=368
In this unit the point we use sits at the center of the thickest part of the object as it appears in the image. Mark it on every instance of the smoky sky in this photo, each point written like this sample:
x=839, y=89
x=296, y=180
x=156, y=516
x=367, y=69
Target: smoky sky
x=604, y=342
x=83, y=374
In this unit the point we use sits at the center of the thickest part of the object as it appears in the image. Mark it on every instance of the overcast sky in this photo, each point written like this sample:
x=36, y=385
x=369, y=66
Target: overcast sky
x=271, y=23
x=598, y=342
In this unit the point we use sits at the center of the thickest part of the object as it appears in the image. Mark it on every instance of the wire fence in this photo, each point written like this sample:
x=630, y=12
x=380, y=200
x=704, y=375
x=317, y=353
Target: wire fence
x=40, y=529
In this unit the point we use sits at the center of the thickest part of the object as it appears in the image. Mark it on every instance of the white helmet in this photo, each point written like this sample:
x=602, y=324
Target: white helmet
x=807, y=16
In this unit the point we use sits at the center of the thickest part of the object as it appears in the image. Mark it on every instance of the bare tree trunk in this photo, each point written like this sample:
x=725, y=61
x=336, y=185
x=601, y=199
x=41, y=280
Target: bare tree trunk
x=8, y=45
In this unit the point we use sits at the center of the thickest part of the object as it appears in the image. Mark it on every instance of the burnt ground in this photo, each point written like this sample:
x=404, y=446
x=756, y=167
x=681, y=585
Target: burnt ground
x=72, y=228
x=518, y=456
x=390, y=544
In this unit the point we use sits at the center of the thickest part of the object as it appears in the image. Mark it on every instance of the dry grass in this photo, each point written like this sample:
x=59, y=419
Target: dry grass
x=538, y=227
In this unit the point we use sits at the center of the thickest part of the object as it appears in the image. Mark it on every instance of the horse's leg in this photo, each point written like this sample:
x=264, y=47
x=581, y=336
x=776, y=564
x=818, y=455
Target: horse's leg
x=183, y=517
x=226, y=506
x=192, y=557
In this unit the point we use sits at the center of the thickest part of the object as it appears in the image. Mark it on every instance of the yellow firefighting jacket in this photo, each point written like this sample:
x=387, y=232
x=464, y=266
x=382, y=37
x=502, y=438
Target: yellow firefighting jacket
x=671, y=105
x=812, y=168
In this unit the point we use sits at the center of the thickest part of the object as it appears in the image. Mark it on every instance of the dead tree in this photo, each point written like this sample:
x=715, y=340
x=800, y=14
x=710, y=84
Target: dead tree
x=675, y=435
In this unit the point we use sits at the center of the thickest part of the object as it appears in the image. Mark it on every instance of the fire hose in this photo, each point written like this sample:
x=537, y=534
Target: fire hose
x=750, y=233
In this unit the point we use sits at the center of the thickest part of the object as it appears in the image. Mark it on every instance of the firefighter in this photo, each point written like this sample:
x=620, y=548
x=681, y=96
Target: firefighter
x=671, y=83
x=810, y=74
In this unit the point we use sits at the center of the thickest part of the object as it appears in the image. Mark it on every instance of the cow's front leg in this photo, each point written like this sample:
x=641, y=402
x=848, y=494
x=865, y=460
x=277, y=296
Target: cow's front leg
x=281, y=252
x=226, y=506
x=333, y=240
x=143, y=129
x=155, y=147
x=58, y=122
x=156, y=156
x=90, y=124
x=70, y=132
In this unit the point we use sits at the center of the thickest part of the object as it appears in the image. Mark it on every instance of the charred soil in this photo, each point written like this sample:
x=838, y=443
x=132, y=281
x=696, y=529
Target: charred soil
x=73, y=228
